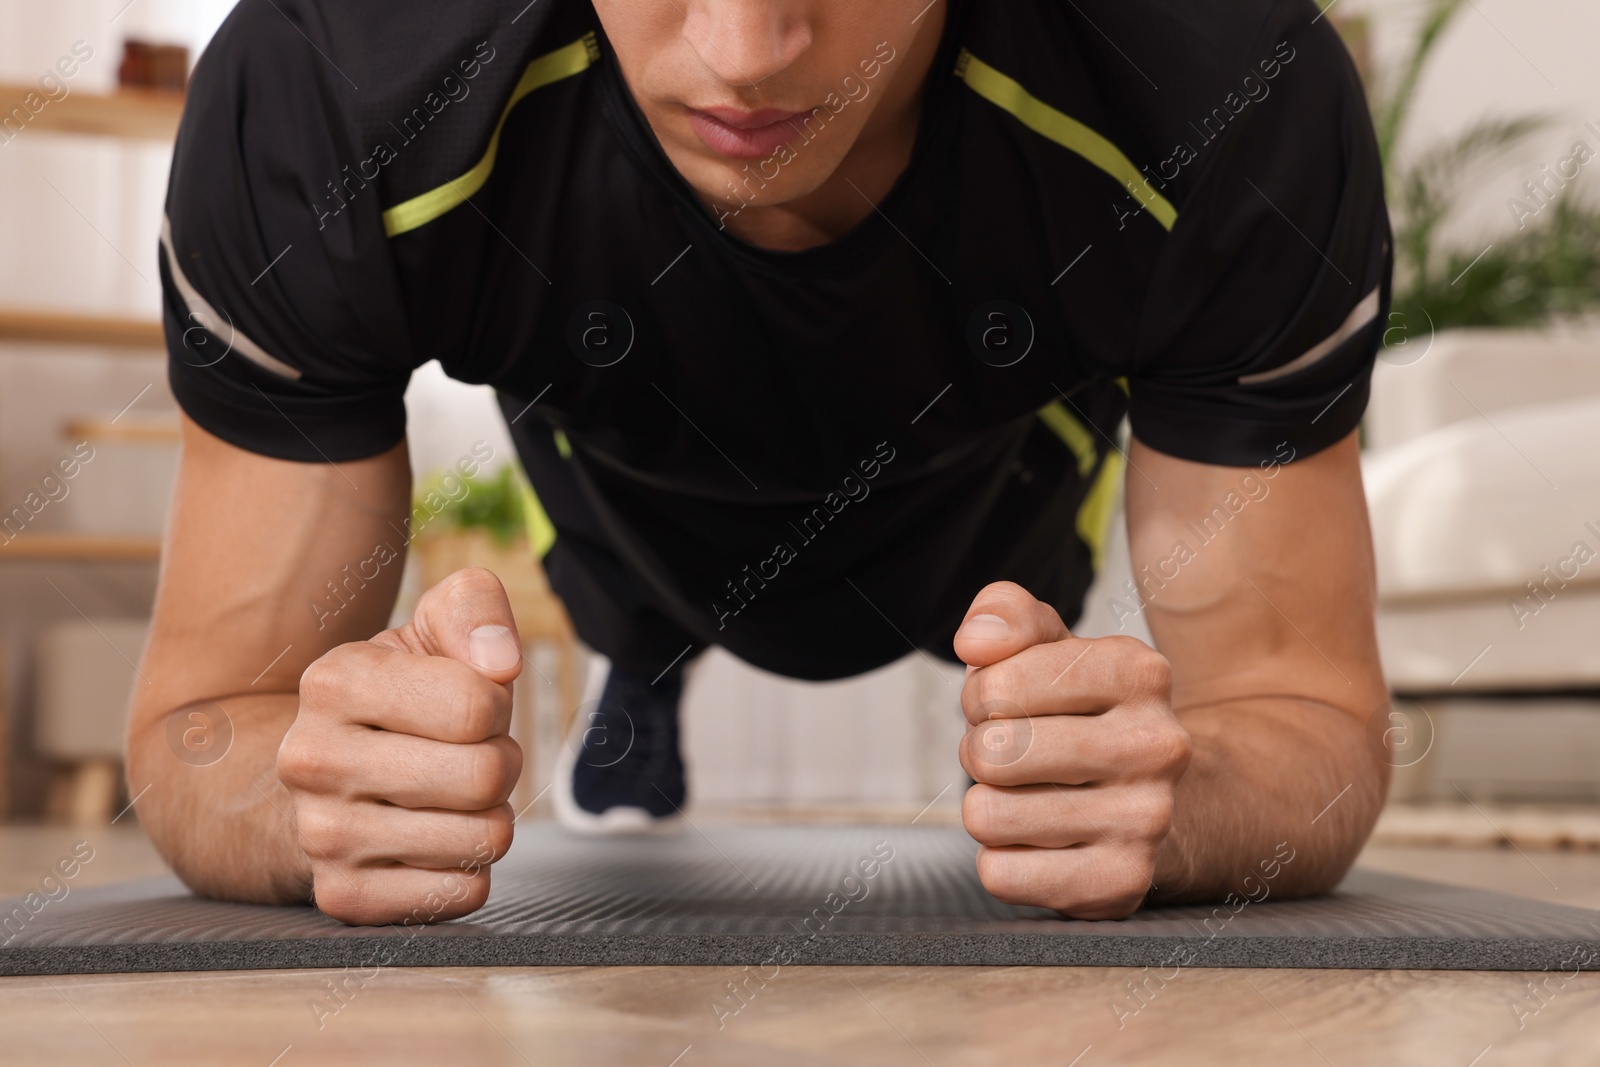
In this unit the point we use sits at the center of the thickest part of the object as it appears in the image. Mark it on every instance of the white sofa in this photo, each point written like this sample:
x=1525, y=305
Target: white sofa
x=1483, y=479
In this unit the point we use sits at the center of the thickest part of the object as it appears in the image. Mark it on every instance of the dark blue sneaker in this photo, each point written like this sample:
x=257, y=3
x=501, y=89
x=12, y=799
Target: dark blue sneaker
x=621, y=771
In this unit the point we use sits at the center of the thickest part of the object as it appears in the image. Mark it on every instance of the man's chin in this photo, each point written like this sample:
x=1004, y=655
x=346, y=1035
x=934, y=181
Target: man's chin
x=762, y=183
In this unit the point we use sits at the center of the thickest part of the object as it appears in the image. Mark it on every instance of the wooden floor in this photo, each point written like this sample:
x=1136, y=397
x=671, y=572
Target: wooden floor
x=919, y=1016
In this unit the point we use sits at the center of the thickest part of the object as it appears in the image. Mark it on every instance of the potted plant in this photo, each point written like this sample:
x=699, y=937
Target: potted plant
x=483, y=521
x=1547, y=267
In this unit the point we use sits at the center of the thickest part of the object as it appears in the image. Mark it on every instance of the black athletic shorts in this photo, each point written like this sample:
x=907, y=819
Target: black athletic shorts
x=1052, y=487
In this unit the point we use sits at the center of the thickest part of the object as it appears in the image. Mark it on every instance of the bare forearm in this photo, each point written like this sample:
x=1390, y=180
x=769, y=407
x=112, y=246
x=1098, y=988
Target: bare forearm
x=1269, y=779
x=225, y=826
x=267, y=565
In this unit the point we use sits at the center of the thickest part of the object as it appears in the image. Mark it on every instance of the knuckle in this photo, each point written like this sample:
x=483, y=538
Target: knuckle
x=511, y=754
x=1125, y=646
x=1115, y=904
x=342, y=895
x=1151, y=671
x=963, y=758
x=498, y=830
x=1124, y=889
x=1151, y=818
x=320, y=682
x=321, y=829
x=460, y=595
x=1115, y=891
x=475, y=894
x=452, y=896
x=483, y=771
x=1046, y=617
x=981, y=687
x=978, y=812
x=1164, y=746
x=300, y=762
x=978, y=763
x=971, y=699
x=1002, y=593
x=472, y=709
x=995, y=684
x=1177, y=749
x=470, y=583
x=325, y=684
x=1003, y=875
x=491, y=771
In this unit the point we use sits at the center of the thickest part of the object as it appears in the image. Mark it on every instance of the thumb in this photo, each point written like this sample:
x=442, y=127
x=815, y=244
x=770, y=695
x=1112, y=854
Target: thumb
x=1003, y=620
x=467, y=617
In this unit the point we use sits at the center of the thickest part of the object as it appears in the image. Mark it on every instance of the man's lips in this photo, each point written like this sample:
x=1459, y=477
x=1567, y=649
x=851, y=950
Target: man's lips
x=746, y=134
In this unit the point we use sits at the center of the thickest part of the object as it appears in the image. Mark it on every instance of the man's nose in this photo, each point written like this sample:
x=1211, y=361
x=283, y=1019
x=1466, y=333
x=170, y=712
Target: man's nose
x=745, y=42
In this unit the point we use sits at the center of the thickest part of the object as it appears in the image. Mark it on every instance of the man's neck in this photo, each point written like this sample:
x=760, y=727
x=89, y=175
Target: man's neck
x=865, y=175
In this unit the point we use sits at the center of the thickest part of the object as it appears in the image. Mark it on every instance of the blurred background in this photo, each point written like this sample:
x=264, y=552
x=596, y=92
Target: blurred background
x=1482, y=461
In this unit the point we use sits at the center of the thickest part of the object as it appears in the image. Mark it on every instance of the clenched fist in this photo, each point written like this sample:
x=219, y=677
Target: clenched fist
x=1076, y=754
x=400, y=763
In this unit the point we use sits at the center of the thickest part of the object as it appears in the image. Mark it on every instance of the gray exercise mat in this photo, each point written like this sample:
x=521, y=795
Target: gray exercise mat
x=772, y=895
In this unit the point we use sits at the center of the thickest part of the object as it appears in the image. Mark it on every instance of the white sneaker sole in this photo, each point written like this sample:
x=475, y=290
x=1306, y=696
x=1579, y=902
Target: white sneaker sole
x=621, y=821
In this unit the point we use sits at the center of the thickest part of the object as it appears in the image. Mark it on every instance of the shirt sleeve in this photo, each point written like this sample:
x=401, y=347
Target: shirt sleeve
x=286, y=333
x=1268, y=303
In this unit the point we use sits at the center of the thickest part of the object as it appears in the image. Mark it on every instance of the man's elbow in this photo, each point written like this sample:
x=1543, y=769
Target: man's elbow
x=1335, y=836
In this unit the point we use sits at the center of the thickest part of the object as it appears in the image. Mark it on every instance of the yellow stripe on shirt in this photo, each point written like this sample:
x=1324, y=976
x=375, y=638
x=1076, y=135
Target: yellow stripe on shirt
x=541, y=531
x=420, y=210
x=1099, y=504
x=1094, y=514
x=1074, y=433
x=1008, y=95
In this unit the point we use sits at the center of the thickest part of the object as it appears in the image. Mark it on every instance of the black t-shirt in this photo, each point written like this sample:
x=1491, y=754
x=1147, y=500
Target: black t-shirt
x=1172, y=210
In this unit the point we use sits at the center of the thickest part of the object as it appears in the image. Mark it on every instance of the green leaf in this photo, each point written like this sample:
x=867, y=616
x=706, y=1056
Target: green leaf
x=1548, y=267
x=493, y=504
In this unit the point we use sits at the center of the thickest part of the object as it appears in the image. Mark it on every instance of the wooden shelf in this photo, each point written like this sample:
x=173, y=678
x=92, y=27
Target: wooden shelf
x=35, y=547
x=112, y=331
x=133, y=114
x=155, y=429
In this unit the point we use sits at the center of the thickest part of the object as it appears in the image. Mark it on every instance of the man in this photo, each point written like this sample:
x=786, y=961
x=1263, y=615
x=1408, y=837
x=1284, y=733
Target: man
x=814, y=322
